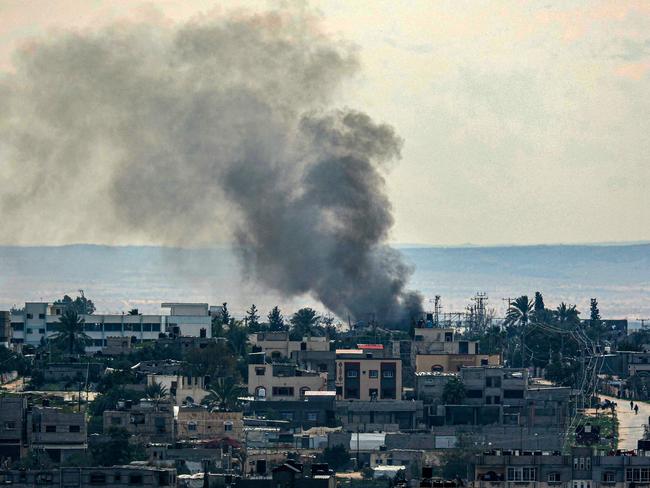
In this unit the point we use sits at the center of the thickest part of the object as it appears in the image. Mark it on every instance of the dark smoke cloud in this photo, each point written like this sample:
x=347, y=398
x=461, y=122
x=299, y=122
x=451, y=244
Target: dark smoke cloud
x=200, y=133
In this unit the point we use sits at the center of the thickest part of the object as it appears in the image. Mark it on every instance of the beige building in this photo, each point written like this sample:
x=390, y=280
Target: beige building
x=360, y=376
x=277, y=345
x=182, y=389
x=146, y=421
x=196, y=422
x=443, y=363
x=283, y=381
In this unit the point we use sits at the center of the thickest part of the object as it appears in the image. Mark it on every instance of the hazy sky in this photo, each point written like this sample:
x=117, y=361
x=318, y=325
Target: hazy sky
x=523, y=122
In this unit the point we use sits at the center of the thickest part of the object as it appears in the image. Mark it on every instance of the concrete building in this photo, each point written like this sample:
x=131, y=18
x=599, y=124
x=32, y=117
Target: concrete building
x=6, y=332
x=182, y=389
x=380, y=416
x=108, y=477
x=311, y=411
x=580, y=469
x=196, y=422
x=494, y=395
x=361, y=376
x=57, y=433
x=281, y=381
x=13, y=427
x=38, y=320
x=277, y=345
x=147, y=422
x=437, y=349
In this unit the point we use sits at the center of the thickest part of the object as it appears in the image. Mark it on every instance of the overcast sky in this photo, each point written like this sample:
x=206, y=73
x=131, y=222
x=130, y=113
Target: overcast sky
x=523, y=122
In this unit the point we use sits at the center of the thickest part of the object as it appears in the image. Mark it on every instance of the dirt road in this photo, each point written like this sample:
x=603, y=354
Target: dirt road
x=630, y=426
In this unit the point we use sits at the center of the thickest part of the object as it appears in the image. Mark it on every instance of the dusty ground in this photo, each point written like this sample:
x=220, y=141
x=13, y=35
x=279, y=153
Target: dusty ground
x=630, y=426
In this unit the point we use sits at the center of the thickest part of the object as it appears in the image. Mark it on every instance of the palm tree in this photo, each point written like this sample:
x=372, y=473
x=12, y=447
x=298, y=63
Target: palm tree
x=70, y=333
x=567, y=317
x=304, y=323
x=224, y=395
x=156, y=392
x=520, y=312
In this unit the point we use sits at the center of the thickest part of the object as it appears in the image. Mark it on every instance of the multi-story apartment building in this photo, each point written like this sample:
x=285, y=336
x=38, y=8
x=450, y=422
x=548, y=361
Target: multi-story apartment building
x=146, y=421
x=38, y=320
x=197, y=422
x=277, y=345
x=107, y=477
x=13, y=427
x=442, y=350
x=360, y=375
x=580, y=469
x=281, y=381
x=6, y=332
x=58, y=433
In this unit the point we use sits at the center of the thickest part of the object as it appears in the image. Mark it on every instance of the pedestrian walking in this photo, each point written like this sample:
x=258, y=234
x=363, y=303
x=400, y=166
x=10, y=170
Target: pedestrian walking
x=631, y=405
x=636, y=409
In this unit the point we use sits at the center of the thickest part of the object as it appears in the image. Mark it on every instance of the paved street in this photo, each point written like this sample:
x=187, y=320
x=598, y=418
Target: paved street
x=630, y=427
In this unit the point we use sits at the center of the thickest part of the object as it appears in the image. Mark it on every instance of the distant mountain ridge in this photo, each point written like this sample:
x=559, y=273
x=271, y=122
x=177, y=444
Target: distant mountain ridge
x=121, y=277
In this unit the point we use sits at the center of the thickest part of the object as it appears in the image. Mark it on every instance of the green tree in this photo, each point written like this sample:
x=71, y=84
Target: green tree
x=539, y=302
x=594, y=312
x=304, y=323
x=518, y=316
x=215, y=360
x=70, y=333
x=116, y=450
x=224, y=395
x=253, y=319
x=237, y=336
x=224, y=314
x=157, y=393
x=80, y=304
x=337, y=457
x=492, y=340
x=453, y=392
x=276, y=320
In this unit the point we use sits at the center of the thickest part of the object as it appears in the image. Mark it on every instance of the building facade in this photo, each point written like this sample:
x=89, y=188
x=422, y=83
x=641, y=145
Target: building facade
x=363, y=377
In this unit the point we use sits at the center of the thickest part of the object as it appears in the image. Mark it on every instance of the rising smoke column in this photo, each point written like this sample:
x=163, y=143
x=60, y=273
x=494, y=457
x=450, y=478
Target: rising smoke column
x=194, y=134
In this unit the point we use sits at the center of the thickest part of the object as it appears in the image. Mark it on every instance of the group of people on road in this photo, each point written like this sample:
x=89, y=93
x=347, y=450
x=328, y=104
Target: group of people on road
x=634, y=407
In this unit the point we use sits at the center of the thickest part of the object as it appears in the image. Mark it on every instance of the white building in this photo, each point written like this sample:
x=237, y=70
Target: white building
x=39, y=320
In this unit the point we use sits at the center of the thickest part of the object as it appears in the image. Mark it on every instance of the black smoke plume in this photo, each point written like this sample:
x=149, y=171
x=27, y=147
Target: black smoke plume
x=200, y=133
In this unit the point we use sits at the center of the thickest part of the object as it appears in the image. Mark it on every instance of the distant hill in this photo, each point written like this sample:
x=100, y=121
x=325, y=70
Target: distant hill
x=119, y=278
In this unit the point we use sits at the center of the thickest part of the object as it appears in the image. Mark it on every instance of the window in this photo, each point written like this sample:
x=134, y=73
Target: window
x=637, y=474
x=351, y=393
x=50, y=428
x=493, y=382
x=227, y=426
x=513, y=393
x=135, y=479
x=117, y=478
x=322, y=368
x=373, y=373
x=554, y=477
x=353, y=373
x=41, y=331
x=283, y=391
x=474, y=393
x=191, y=426
x=522, y=474
x=159, y=422
x=304, y=390
x=10, y=425
x=260, y=371
x=30, y=316
x=41, y=315
x=609, y=477
x=29, y=331
x=388, y=393
x=74, y=428
x=312, y=416
x=373, y=393
x=260, y=393
x=389, y=373
x=97, y=478
x=286, y=415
